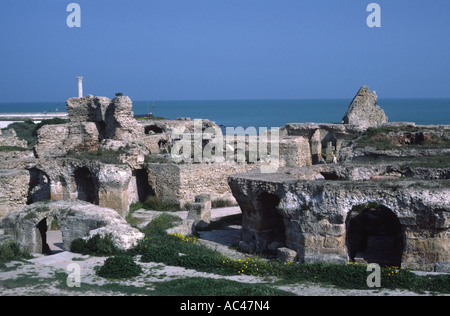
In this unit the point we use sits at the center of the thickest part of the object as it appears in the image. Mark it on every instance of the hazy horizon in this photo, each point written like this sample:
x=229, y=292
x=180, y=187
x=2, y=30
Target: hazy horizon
x=174, y=50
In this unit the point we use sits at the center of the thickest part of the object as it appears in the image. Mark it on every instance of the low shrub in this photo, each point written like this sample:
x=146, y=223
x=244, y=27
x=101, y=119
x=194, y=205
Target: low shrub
x=97, y=245
x=12, y=250
x=119, y=267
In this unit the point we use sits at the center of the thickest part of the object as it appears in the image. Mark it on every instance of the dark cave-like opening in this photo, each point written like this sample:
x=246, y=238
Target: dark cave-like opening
x=375, y=235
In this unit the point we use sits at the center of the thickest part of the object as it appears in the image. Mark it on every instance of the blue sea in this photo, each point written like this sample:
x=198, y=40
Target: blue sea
x=269, y=113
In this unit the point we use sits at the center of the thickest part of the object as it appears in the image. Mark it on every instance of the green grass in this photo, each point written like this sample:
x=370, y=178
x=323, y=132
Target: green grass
x=190, y=286
x=153, y=203
x=433, y=162
x=11, y=148
x=105, y=156
x=217, y=203
x=214, y=287
x=376, y=137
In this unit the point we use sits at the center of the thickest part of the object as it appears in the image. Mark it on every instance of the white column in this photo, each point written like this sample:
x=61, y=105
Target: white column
x=80, y=87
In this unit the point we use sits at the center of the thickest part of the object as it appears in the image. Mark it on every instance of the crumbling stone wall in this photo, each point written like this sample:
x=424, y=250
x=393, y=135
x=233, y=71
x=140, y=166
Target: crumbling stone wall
x=180, y=183
x=108, y=185
x=9, y=138
x=91, y=120
x=315, y=215
x=13, y=190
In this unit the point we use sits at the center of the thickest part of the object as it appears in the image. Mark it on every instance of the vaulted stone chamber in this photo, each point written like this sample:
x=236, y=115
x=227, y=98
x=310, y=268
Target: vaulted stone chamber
x=374, y=235
x=87, y=190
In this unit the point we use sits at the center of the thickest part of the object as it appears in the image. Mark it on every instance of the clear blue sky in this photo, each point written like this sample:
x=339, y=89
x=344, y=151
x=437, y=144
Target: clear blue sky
x=224, y=49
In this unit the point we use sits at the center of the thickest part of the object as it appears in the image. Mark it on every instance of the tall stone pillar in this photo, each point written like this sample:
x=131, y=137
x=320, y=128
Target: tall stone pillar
x=80, y=87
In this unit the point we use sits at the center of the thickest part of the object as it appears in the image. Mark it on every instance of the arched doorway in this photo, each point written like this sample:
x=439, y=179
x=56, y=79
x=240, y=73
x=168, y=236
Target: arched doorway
x=48, y=237
x=374, y=234
x=270, y=221
x=86, y=188
x=41, y=238
x=144, y=189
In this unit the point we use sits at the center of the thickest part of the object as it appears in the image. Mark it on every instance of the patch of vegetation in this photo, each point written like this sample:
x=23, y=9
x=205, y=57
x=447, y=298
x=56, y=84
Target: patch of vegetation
x=11, y=148
x=53, y=121
x=156, y=229
x=155, y=159
x=28, y=130
x=438, y=161
x=105, y=156
x=217, y=203
x=153, y=203
x=434, y=162
x=380, y=138
x=119, y=267
x=214, y=287
x=97, y=245
x=10, y=251
x=146, y=117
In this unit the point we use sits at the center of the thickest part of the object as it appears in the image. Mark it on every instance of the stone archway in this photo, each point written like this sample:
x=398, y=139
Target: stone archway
x=75, y=219
x=144, y=189
x=374, y=234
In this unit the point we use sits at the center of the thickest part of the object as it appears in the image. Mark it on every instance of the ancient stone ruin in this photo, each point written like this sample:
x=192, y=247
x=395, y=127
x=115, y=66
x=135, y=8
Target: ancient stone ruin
x=364, y=190
x=385, y=202
x=402, y=222
x=364, y=110
x=75, y=219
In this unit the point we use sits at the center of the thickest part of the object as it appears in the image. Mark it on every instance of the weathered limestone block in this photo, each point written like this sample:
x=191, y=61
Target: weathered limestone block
x=82, y=137
x=51, y=140
x=113, y=184
x=295, y=152
x=76, y=219
x=364, y=111
x=87, y=109
x=200, y=211
x=13, y=190
x=58, y=140
x=156, y=144
x=286, y=254
x=120, y=121
x=9, y=138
